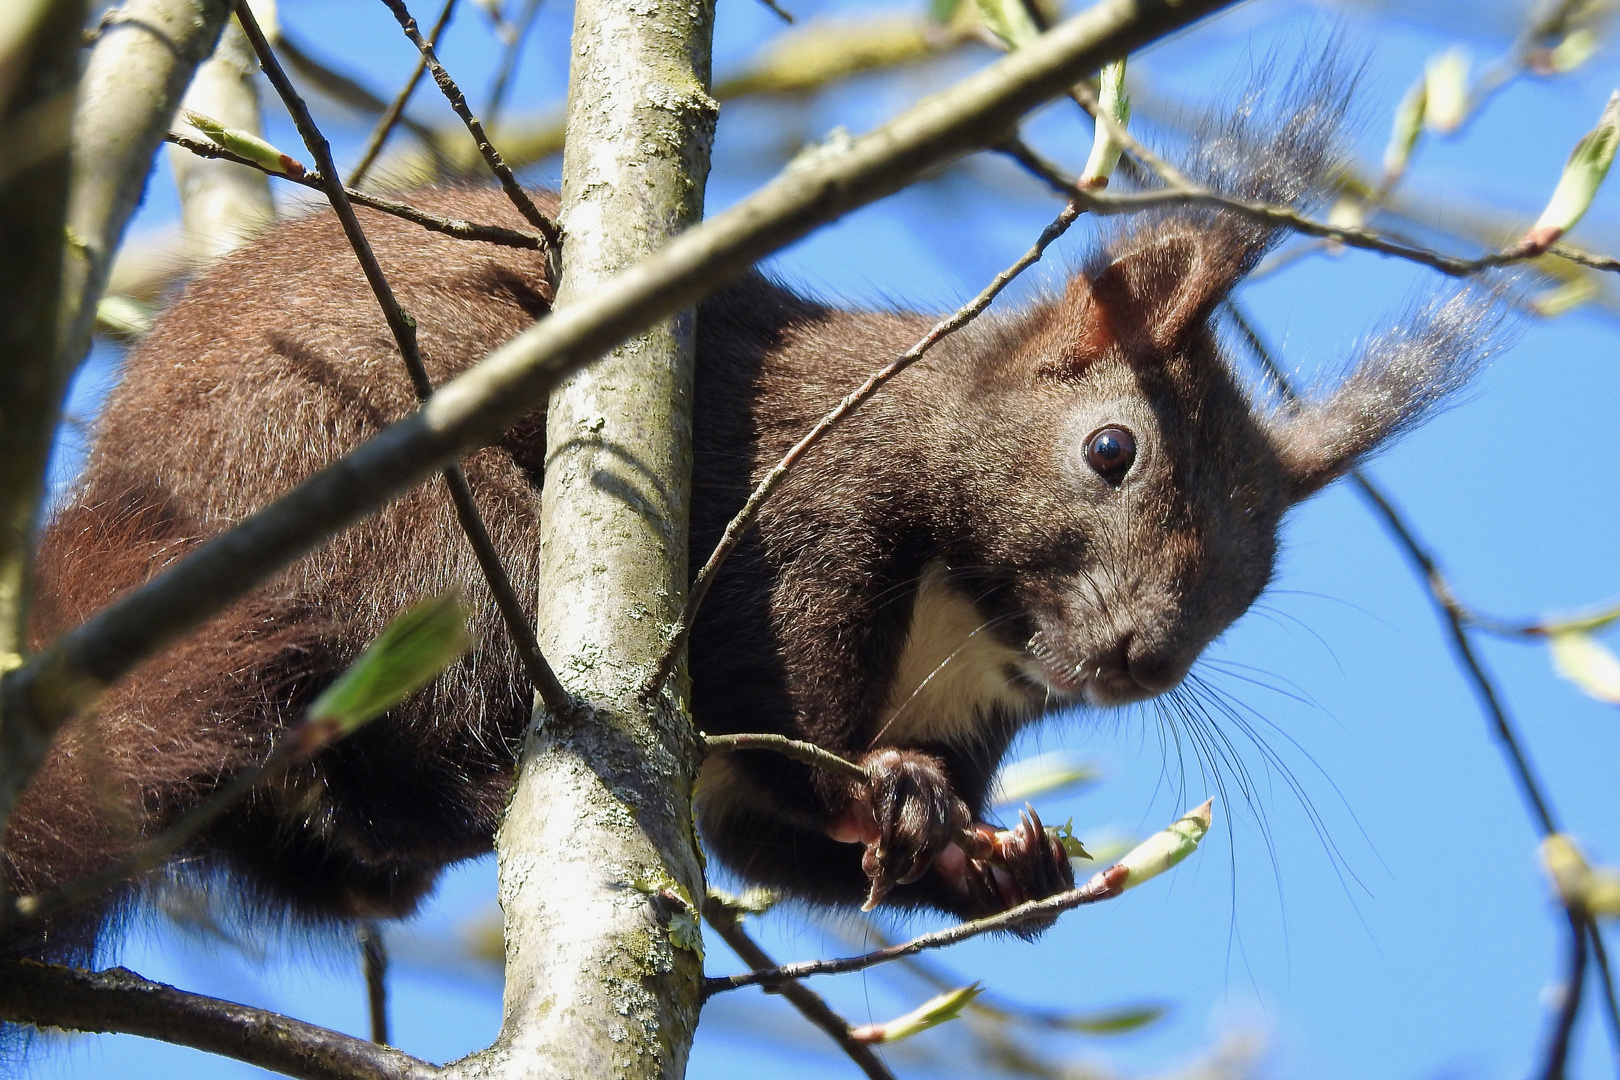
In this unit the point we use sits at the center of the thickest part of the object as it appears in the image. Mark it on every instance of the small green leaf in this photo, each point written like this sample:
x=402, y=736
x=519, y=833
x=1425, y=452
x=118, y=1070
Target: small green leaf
x=931, y=1013
x=1009, y=20
x=1041, y=775
x=685, y=932
x=942, y=11
x=1583, y=174
x=1595, y=619
x=1578, y=657
x=245, y=144
x=1111, y=1021
x=1071, y=843
x=406, y=656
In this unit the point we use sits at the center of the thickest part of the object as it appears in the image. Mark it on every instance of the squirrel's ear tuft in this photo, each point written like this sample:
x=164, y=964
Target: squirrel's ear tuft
x=1402, y=377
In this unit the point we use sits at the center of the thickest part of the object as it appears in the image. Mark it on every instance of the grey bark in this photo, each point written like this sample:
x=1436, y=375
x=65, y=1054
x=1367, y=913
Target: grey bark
x=599, y=870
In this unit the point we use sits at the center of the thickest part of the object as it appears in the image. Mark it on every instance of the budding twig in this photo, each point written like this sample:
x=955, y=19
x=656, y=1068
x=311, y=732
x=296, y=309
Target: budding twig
x=1103, y=886
x=452, y=227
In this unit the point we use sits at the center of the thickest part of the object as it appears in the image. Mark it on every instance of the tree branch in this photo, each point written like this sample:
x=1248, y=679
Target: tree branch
x=811, y=1004
x=453, y=227
x=131, y=86
x=809, y=753
x=492, y=157
x=476, y=406
x=1558, y=1040
x=37, y=80
x=118, y=1000
x=744, y=518
x=599, y=869
x=396, y=108
x=1103, y=886
x=1285, y=217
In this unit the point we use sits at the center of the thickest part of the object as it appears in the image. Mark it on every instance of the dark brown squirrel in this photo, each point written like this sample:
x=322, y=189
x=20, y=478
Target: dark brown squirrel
x=1061, y=505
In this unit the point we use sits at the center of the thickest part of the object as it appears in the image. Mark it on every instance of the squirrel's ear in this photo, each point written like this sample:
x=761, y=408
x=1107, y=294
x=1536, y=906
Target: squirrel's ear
x=1151, y=297
x=1402, y=377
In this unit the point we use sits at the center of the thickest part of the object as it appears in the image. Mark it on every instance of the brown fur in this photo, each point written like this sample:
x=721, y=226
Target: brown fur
x=940, y=571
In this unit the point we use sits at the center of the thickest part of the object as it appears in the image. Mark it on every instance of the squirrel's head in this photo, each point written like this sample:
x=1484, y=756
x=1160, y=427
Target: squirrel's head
x=1150, y=480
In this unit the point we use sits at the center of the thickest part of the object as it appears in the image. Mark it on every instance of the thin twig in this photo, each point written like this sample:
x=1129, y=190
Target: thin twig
x=1454, y=617
x=1558, y=1041
x=118, y=1000
x=403, y=328
x=1103, y=886
x=739, y=525
x=1284, y=217
x=509, y=60
x=344, y=89
x=1611, y=1006
x=815, y=1009
x=778, y=10
x=374, y=964
x=809, y=753
x=396, y=108
x=492, y=156
x=452, y=227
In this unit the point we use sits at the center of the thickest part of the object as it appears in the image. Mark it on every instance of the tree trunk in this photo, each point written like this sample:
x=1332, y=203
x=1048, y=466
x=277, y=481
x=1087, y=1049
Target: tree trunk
x=600, y=877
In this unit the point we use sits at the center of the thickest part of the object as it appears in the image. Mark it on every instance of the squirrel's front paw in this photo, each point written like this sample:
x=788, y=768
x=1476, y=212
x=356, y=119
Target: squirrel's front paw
x=907, y=815
x=1015, y=866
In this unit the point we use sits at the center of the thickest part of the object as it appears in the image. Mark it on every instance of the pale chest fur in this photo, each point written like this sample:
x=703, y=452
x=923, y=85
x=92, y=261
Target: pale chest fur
x=954, y=672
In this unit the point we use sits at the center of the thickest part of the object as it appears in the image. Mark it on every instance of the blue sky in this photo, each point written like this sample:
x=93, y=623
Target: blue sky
x=1379, y=914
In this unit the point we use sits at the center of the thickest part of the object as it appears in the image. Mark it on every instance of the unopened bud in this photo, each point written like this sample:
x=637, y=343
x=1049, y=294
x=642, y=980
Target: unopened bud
x=1156, y=854
x=1115, y=103
x=1584, y=173
x=1578, y=657
x=1404, y=133
x=245, y=144
x=931, y=1013
x=407, y=655
x=1446, y=91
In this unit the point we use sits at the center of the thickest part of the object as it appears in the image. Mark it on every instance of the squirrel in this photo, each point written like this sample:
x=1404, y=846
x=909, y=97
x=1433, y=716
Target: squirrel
x=1059, y=506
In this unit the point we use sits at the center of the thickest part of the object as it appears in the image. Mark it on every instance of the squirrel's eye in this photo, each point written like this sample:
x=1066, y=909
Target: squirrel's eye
x=1111, y=452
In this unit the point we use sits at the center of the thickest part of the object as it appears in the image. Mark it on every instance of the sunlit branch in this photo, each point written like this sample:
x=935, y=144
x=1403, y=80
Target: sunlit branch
x=118, y=1000
x=452, y=227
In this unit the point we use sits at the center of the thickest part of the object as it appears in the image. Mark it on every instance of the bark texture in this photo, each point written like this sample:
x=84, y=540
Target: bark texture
x=599, y=871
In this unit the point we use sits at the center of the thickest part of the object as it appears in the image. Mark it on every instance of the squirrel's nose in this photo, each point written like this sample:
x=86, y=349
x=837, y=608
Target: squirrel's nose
x=1154, y=669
